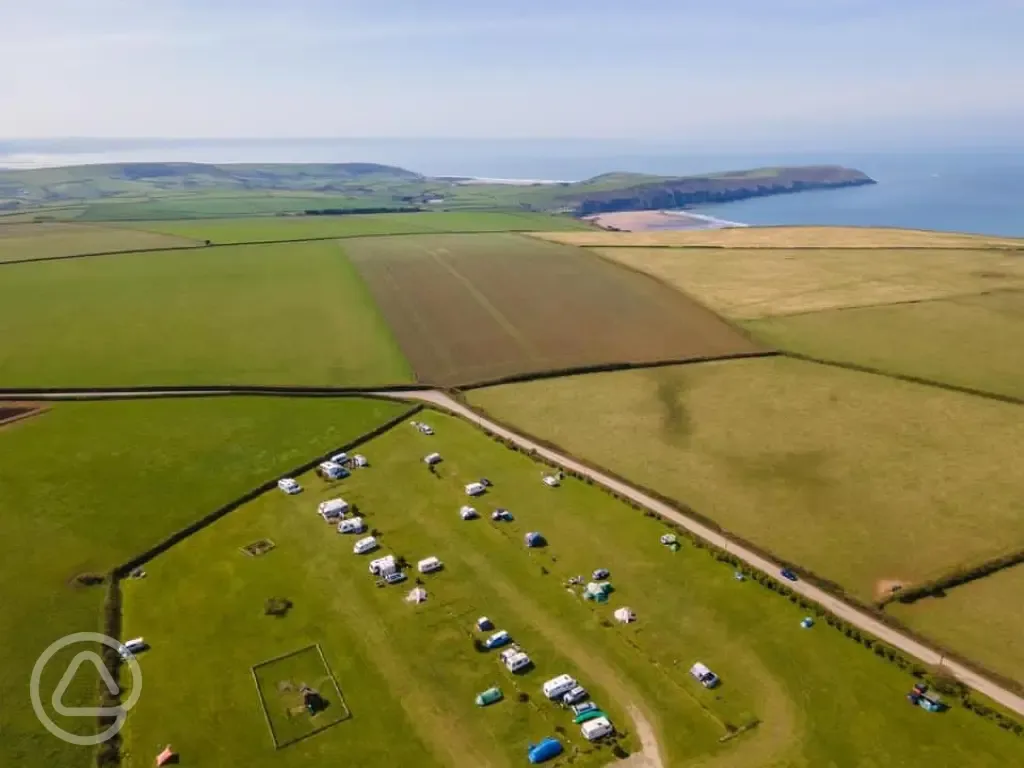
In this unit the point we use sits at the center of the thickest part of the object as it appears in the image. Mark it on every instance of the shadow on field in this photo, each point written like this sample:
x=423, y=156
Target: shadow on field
x=676, y=420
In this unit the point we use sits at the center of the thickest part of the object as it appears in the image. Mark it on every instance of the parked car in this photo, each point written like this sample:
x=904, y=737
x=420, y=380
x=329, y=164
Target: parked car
x=551, y=481
x=485, y=482
x=789, y=573
x=289, y=486
x=575, y=696
x=600, y=574
x=583, y=706
x=396, y=577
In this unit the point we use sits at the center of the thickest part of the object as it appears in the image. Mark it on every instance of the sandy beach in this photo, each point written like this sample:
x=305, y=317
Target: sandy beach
x=645, y=221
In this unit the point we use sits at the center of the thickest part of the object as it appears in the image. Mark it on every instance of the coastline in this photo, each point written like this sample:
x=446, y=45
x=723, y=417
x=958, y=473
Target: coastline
x=650, y=221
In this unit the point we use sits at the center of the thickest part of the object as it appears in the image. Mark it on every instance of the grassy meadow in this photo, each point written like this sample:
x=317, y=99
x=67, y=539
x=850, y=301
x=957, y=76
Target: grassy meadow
x=258, y=229
x=754, y=283
x=43, y=241
x=971, y=341
x=409, y=672
x=87, y=485
x=283, y=314
x=859, y=478
x=979, y=620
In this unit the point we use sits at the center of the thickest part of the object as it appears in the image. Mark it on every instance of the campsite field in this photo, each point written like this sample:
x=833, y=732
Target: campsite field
x=87, y=485
x=970, y=341
x=859, y=478
x=409, y=672
x=786, y=237
x=472, y=308
x=41, y=241
x=753, y=283
x=284, y=314
x=979, y=620
x=259, y=229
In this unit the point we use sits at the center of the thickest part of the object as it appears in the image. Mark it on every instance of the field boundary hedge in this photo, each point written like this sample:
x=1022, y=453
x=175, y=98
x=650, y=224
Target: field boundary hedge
x=192, y=528
x=937, y=587
x=1011, y=399
x=830, y=587
x=216, y=390
x=201, y=245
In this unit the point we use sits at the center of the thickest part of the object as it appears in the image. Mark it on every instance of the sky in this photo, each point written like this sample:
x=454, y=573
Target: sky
x=727, y=72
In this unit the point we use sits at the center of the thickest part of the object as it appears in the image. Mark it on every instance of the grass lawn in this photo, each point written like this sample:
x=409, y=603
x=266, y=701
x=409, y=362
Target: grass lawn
x=289, y=228
x=980, y=620
x=272, y=314
x=752, y=283
x=38, y=241
x=857, y=477
x=86, y=485
x=409, y=672
x=786, y=237
x=972, y=341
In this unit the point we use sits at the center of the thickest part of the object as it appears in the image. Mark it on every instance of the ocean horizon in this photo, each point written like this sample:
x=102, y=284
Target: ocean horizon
x=957, y=190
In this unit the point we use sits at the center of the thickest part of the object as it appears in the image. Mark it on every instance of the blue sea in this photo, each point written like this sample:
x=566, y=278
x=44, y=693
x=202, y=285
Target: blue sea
x=957, y=190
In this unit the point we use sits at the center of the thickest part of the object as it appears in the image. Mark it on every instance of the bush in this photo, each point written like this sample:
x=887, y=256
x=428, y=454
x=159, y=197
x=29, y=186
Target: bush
x=277, y=606
x=89, y=579
x=523, y=697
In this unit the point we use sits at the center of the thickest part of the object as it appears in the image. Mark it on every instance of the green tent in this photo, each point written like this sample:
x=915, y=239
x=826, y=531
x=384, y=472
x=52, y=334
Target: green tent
x=591, y=714
x=489, y=696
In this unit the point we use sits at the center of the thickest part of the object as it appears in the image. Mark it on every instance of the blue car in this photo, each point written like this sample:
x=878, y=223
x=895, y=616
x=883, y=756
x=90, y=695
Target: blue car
x=789, y=574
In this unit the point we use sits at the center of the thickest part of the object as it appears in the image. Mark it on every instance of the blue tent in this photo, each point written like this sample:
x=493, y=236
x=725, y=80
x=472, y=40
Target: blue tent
x=545, y=750
x=534, y=539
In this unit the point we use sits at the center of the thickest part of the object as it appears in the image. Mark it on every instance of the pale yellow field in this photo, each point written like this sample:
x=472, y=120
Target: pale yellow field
x=785, y=237
x=35, y=241
x=754, y=283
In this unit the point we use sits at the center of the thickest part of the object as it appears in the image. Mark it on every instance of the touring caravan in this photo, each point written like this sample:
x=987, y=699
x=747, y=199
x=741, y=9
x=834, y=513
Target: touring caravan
x=557, y=687
x=353, y=525
x=332, y=509
x=363, y=546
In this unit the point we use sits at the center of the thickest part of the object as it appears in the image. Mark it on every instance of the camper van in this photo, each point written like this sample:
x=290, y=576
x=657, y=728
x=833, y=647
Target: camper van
x=331, y=470
x=382, y=566
x=475, y=489
x=597, y=728
x=289, y=486
x=551, y=481
x=497, y=640
x=355, y=525
x=705, y=676
x=429, y=565
x=432, y=458
x=131, y=647
x=516, y=662
x=557, y=687
x=363, y=546
x=332, y=509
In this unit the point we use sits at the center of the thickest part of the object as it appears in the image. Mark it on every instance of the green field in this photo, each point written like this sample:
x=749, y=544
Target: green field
x=282, y=314
x=409, y=672
x=44, y=241
x=292, y=228
x=979, y=620
x=857, y=477
x=972, y=341
x=88, y=485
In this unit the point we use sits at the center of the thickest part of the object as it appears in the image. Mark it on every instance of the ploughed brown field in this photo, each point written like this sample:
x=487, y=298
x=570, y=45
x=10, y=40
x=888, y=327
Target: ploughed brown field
x=467, y=309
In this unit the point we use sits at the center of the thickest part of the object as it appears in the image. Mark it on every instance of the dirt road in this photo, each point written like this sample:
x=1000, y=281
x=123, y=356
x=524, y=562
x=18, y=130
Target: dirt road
x=849, y=613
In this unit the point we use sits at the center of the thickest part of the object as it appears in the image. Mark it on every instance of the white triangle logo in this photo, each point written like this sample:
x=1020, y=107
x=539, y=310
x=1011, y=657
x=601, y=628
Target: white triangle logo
x=69, y=675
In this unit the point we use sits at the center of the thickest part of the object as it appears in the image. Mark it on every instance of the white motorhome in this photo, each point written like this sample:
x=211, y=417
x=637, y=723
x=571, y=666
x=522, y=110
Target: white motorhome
x=131, y=647
x=363, y=546
x=332, y=509
x=382, y=566
x=429, y=565
x=705, y=676
x=352, y=525
x=557, y=687
x=597, y=728
x=340, y=458
x=551, y=481
x=432, y=458
x=289, y=486
x=475, y=489
x=331, y=470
